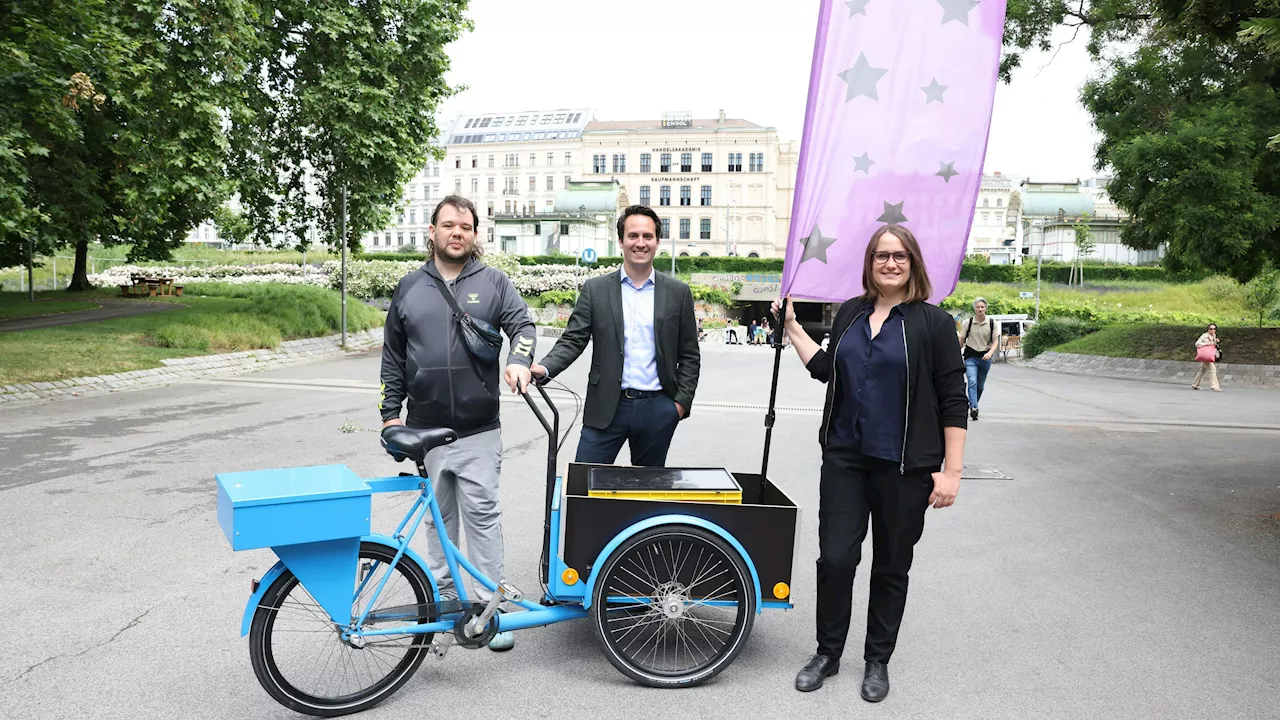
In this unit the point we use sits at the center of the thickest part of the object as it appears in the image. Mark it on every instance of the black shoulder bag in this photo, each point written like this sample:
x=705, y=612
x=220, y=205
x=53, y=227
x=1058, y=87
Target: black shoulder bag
x=482, y=341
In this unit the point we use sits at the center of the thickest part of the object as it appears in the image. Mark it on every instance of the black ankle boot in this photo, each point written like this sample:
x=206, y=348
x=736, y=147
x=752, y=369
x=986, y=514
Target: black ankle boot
x=875, y=684
x=817, y=670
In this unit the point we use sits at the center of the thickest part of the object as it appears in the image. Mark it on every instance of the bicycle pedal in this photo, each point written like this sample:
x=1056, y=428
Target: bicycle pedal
x=509, y=591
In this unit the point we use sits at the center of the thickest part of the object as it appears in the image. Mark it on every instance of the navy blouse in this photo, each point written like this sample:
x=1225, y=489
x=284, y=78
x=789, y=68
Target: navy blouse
x=870, y=410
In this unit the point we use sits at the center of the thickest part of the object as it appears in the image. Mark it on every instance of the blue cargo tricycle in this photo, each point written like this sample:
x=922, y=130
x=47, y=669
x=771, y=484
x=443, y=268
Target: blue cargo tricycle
x=670, y=583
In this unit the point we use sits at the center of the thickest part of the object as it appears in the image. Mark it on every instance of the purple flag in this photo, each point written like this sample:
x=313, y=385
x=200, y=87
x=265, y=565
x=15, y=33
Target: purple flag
x=895, y=131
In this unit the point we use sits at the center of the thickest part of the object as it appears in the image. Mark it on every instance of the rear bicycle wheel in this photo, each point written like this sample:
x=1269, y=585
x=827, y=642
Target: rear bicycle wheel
x=300, y=658
x=673, y=606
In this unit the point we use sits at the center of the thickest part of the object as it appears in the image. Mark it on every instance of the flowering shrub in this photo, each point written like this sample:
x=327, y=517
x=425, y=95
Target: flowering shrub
x=281, y=273
x=369, y=279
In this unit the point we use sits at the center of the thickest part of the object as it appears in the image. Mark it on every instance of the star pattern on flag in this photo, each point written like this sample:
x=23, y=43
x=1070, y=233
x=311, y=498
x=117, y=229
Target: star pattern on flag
x=957, y=10
x=892, y=213
x=948, y=171
x=933, y=92
x=815, y=246
x=863, y=164
x=862, y=79
x=857, y=7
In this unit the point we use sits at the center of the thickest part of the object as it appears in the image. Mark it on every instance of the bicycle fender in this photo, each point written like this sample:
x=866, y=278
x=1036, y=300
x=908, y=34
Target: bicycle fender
x=643, y=525
x=278, y=569
x=265, y=582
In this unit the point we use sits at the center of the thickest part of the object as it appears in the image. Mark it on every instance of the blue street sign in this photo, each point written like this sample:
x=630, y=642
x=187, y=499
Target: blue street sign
x=588, y=256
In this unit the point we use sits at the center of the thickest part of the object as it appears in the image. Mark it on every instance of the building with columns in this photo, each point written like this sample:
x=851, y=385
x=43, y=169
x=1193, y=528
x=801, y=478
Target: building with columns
x=995, y=221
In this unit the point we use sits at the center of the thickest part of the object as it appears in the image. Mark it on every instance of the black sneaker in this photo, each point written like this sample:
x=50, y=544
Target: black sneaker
x=973, y=413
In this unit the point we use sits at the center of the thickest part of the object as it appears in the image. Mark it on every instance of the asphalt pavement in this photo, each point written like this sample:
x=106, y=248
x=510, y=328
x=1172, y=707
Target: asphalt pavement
x=1130, y=568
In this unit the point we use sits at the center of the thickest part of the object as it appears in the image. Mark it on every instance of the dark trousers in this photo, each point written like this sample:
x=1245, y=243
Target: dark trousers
x=854, y=487
x=646, y=424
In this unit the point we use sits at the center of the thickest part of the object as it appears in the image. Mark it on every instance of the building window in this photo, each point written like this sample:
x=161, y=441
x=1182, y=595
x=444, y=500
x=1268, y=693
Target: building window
x=686, y=162
x=664, y=195
x=533, y=184
x=664, y=162
x=413, y=239
x=644, y=195
x=568, y=158
x=685, y=195
x=551, y=159
x=757, y=162
x=986, y=217
x=474, y=159
x=704, y=228
x=619, y=163
x=567, y=180
x=475, y=185
x=644, y=162
x=598, y=164
x=684, y=228
x=489, y=237
x=666, y=228
x=491, y=181
x=490, y=161
x=510, y=188
x=491, y=215
x=457, y=162
x=533, y=159
x=999, y=202
x=457, y=186
x=413, y=217
x=508, y=243
x=706, y=162
x=564, y=228
x=735, y=162
x=551, y=182
x=706, y=195
x=399, y=239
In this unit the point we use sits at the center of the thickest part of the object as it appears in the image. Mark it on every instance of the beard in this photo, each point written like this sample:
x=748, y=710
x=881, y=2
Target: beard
x=441, y=248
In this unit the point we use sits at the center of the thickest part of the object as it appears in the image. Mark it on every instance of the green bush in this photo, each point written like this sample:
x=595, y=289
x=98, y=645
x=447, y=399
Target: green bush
x=272, y=313
x=1054, y=331
x=708, y=294
x=558, y=297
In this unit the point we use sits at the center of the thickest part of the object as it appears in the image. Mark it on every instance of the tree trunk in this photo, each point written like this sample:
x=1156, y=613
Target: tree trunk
x=80, y=278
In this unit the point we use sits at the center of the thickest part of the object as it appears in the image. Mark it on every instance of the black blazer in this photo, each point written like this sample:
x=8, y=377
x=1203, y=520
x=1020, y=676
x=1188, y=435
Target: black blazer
x=937, y=397
x=597, y=318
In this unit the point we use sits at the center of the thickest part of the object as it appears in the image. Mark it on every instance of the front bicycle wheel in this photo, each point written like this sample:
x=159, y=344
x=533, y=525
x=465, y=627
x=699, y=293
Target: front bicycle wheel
x=673, y=606
x=300, y=658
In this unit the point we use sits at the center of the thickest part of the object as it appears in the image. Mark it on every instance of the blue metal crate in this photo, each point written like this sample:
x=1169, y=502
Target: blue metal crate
x=268, y=508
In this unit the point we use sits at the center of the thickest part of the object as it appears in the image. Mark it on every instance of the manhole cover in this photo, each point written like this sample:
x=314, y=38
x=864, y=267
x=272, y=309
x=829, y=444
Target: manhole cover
x=977, y=473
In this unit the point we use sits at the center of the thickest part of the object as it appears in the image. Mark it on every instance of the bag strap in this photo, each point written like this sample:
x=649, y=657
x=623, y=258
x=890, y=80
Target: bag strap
x=458, y=314
x=968, y=330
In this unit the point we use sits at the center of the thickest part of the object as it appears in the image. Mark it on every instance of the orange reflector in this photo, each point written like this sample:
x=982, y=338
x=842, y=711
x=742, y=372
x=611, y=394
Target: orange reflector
x=781, y=591
x=570, y=576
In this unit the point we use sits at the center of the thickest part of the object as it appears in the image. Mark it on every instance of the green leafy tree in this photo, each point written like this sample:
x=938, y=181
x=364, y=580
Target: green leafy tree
x=1263, y=293
x=340, y=95
x=119, y=117
x=1186, y=106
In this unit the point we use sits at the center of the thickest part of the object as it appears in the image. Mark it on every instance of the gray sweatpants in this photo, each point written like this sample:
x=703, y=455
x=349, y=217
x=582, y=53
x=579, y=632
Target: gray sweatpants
x=464, y=477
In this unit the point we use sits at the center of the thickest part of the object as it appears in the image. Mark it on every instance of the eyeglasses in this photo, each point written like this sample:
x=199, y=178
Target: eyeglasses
x=900, y=257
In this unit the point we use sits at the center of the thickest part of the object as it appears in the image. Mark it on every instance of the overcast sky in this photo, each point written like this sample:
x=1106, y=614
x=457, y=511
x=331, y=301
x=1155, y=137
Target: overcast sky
x=633, y=60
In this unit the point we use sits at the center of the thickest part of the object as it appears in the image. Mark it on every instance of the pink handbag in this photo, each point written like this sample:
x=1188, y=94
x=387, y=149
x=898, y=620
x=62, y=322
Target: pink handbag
x=1206, y=353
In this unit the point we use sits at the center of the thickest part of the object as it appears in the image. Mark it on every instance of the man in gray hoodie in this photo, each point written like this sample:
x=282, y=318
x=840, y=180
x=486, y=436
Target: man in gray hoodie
x=425, y=360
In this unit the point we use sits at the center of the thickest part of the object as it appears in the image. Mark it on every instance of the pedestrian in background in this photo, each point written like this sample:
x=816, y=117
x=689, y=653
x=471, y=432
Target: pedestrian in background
x=979, y=343
x=1208, y=354
x=892, y=439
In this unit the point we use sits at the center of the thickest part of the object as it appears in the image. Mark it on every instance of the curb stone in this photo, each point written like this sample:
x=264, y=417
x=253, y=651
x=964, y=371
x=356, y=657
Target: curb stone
x=290, y=352
x=1265, y=377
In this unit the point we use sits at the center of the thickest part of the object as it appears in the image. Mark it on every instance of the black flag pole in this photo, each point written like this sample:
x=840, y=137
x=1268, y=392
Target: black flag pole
x=773, y=389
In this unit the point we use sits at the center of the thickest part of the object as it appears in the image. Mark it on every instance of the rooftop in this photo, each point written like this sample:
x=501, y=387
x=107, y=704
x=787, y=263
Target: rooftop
x=686, y=125
x=557, y=124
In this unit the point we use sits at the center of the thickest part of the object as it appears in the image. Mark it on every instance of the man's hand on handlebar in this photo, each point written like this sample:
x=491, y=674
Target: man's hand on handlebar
x=540, y=374
x=393, y=421
x=518, y=378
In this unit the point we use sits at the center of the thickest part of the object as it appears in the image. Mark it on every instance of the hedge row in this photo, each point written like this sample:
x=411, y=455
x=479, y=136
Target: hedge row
x=970, y=272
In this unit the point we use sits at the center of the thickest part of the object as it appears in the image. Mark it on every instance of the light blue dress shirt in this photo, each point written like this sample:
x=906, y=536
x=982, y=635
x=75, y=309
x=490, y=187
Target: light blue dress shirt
x=639, y=352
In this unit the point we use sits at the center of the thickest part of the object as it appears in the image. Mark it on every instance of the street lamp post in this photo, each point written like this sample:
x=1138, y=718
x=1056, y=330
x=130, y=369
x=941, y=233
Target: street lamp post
x=1039, y=225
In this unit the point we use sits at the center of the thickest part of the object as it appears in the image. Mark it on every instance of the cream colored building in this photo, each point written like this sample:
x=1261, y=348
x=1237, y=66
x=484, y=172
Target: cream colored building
x=995, y=220
x=714, y=182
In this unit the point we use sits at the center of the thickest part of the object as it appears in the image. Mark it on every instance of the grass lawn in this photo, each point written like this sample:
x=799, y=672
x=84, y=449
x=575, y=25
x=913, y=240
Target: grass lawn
x=1216, y=299
x=16, y=305
x=1249, y=346
x=227, y=318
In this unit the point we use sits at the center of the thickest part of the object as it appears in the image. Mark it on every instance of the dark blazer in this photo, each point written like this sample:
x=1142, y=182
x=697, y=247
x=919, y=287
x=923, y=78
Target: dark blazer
x=597, y=317
x=936, y=390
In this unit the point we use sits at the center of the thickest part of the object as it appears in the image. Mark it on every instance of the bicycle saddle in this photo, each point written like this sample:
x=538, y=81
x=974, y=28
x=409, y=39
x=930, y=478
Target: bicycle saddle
x=413, y=443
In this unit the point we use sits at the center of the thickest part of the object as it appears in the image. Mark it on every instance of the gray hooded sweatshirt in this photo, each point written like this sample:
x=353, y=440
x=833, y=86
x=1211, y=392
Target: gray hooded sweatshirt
x=425, y=361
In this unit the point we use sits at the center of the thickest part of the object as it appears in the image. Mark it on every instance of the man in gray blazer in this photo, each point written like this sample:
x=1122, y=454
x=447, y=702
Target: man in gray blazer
x=645, y=357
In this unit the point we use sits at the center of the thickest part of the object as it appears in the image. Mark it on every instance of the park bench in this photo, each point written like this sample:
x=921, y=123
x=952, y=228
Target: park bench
x=1008, y=344
x=141, y=285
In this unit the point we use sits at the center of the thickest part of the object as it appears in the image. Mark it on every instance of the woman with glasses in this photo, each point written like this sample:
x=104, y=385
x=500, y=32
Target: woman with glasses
x=1207, y=355
x=892, y=439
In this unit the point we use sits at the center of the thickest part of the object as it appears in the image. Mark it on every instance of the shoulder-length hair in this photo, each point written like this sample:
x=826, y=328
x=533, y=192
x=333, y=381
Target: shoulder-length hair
x=918, y=286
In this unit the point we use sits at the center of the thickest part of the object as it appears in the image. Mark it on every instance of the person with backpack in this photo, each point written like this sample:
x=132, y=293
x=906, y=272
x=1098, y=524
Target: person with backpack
x=979, y=342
